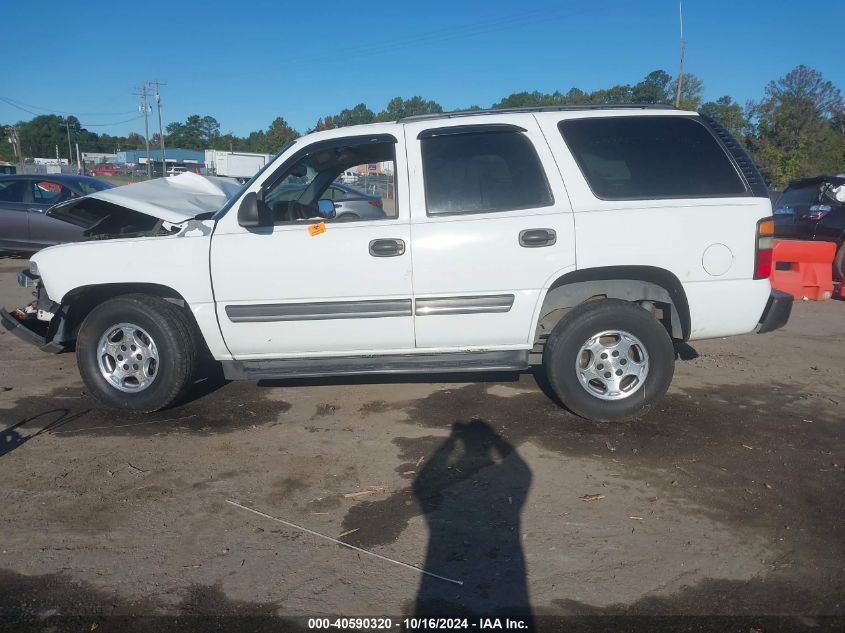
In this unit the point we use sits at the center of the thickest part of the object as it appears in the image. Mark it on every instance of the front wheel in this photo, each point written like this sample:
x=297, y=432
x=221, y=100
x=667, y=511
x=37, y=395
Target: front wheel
x=136, y=352
x=608, y=360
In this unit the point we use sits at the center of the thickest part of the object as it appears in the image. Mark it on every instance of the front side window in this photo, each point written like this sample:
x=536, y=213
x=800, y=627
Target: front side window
x=482, y=172
x=11, y=190
x=650, y=157
x=323, y=174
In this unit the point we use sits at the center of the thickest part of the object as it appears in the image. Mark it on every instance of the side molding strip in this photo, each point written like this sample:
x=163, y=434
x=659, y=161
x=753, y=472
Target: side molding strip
x=316, y=311
x=464, y=305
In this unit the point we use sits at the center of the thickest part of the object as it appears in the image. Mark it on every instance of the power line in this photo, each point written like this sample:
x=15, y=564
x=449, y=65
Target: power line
x=19, y=104
x=136, y=118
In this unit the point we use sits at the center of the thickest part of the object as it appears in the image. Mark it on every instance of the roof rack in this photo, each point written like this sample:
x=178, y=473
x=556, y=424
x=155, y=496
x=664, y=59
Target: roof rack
x=560, y=108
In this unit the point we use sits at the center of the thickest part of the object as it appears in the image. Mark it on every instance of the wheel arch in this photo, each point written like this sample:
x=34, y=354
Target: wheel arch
x=78, y=303
x=644, y=284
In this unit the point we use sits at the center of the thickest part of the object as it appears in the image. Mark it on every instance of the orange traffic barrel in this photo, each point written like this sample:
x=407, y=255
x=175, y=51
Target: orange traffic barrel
x=803, y=269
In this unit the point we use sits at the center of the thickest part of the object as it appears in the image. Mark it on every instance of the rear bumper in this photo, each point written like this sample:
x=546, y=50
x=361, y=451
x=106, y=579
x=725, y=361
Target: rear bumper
x=24, y=331
x=777, y=311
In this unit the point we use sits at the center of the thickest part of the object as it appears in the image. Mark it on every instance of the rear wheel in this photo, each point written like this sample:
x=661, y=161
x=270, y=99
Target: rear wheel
x=137, y=352
x=608, y=360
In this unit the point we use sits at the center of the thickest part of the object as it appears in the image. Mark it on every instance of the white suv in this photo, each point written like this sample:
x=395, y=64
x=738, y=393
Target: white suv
x=582, y=239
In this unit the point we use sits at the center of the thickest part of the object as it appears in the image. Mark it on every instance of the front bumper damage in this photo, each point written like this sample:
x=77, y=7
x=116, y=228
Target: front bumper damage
x=28, y=328
x=32, y=323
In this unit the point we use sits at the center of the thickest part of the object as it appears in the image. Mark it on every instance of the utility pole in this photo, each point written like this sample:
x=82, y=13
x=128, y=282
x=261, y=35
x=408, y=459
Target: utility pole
x=680, y=80
x=69, y=150
x=15, y=140
x=146, y=110
x=156, y=83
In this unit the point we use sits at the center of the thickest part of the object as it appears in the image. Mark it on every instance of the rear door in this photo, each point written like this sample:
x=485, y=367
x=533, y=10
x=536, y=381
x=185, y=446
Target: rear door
x=491, y=224
x=14, y=221
x=45, y=231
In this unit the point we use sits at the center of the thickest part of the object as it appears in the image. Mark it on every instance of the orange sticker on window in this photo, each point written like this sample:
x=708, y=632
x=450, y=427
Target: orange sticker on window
x=317, y=229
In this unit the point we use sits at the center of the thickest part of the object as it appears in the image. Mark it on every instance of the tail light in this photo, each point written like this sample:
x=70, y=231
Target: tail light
x=763, y=254
x=376, y=203
x=818, y=211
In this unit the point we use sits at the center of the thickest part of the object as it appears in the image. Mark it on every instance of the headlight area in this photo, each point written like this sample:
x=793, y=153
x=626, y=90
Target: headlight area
x=33, y=323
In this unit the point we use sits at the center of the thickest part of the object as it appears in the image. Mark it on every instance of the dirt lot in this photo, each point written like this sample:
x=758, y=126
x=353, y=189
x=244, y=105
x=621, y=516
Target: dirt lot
x=726, y=499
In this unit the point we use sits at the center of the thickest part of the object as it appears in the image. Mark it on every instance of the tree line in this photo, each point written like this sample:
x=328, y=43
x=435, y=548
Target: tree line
x=796, y=129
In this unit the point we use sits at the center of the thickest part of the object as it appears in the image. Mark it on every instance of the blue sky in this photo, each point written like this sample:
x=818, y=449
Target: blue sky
x=246, y=63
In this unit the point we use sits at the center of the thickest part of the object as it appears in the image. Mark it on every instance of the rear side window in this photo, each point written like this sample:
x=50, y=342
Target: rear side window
x=482, y=172
x=630, y=158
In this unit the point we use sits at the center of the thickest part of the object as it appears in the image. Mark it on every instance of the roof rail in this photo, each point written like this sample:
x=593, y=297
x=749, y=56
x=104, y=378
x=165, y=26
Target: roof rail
x=560, y=108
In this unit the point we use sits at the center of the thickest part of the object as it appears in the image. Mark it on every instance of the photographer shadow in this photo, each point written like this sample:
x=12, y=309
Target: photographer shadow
x=471, y=492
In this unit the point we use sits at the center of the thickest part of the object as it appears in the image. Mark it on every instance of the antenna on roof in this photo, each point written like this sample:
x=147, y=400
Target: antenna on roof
x=680, y=80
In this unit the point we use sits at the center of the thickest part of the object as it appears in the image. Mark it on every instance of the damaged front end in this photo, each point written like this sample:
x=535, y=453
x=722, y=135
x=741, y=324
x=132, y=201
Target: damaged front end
x=104, y=220
x=35, y=323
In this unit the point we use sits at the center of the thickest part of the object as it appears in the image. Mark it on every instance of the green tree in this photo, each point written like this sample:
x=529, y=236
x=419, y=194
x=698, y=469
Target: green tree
x=795, y=128
x=399, y=108
x=655, y=88
x=727, y=112
x=691, y=89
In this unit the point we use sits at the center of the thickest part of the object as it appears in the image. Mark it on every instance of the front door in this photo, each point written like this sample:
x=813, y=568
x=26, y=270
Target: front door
x=491, y=225
x=304, y=284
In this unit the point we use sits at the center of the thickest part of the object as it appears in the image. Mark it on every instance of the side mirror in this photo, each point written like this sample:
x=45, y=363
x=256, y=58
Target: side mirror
x=325, y=208
x=252, y=212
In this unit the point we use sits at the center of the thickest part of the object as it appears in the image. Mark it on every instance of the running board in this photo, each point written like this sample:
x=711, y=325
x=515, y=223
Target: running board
x=511, y=360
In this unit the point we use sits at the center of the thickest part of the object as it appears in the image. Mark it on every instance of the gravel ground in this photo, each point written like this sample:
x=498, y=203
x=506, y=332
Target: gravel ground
x=724, y=500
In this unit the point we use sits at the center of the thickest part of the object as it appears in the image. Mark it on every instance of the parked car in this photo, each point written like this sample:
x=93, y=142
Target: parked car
x=175, y=171
x=25, y=226
x=349, y=203
x=583, y=240
x=105, y=169
x=814, y=209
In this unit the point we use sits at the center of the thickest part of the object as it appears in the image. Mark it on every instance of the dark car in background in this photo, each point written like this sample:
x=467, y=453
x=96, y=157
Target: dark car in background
x=814, y=209
x=24, y=200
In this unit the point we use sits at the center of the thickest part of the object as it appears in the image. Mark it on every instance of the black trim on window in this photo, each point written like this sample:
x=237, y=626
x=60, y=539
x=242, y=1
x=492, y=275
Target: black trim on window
x=752, y=176
x=488, y=128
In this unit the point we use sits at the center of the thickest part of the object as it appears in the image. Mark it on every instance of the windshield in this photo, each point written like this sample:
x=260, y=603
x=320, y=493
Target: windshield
x=93, y=186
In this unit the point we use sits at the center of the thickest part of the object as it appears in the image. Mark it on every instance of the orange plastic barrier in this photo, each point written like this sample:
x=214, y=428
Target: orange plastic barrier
x=803, y=269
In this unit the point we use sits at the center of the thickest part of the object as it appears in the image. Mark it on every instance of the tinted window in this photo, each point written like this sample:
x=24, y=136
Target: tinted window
x=482, y=172
x=11, y=191
x=626, y=158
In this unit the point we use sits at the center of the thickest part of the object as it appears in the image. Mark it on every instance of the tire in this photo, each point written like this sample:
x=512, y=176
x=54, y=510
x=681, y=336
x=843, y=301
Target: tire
x=839, y=263
x=643, y=347
x=166, y=352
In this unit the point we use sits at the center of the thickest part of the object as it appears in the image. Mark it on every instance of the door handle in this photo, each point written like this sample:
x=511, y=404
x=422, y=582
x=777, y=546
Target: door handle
x=534, y=238
x=36, y=210
x=387, y=248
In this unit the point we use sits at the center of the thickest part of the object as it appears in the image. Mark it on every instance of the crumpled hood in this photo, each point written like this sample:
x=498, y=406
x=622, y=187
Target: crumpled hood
x=174, y=199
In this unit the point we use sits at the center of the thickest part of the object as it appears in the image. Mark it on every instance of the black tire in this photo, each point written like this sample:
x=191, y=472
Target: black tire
x=174, y=335
x=839, y=263
x=563, y=350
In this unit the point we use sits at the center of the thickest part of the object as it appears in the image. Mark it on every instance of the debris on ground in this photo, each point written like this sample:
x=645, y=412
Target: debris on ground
x=370, y=490
x=589, y=498
x=348, y=532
